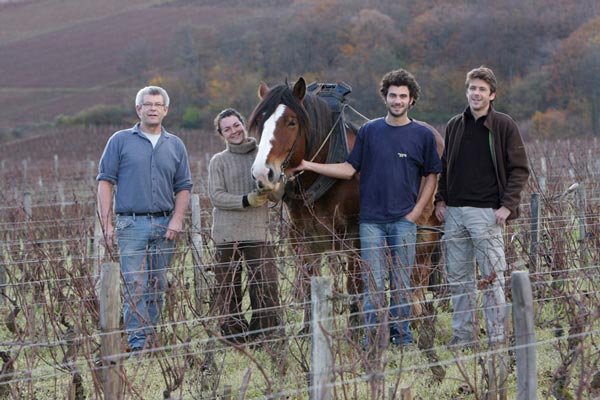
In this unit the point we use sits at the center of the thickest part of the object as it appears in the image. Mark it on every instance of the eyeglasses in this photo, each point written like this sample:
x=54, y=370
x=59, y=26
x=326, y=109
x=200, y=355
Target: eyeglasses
x=153, y=105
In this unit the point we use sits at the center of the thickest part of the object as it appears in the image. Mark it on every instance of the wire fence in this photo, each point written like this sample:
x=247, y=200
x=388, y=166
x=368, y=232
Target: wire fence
x=51, y=339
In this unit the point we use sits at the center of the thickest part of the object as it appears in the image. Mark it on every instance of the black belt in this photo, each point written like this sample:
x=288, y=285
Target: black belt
x=141, y=214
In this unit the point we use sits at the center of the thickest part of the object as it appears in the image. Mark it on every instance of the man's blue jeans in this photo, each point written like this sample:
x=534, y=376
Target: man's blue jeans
x=145, y=258
x=400, y=238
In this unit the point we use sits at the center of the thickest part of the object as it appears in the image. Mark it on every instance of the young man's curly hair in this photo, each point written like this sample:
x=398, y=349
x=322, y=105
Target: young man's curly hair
x=400, y=77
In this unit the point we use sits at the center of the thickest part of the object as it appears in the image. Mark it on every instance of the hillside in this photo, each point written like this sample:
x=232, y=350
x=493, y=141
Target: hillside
x=66, y=56
x=73, y=144
x=63, y=56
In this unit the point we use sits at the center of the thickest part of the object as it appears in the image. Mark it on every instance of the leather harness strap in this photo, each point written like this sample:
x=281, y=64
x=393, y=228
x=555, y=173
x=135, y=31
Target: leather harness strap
x=335, y=96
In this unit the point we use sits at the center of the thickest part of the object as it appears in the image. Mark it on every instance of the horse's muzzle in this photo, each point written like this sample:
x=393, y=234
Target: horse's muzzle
x=265, y=176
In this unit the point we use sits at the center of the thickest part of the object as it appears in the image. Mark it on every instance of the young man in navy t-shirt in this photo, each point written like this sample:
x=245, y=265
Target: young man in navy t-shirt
x=393, y=155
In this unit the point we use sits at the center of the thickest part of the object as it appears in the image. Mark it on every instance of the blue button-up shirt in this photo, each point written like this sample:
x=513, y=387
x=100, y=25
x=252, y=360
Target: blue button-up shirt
x=146, y=178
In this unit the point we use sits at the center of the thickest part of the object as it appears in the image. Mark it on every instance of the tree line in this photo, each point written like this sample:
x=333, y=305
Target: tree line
x=546, y=54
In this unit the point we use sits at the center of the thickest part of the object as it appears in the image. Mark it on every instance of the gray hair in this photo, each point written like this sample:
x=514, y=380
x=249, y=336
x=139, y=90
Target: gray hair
x=153, y=91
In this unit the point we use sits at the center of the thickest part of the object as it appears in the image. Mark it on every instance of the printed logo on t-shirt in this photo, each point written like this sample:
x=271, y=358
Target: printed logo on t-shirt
x=402, y=155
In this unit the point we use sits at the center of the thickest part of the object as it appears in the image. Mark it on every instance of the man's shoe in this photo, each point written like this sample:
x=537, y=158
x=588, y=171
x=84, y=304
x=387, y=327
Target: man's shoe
x=134, y=349
x=398, y=339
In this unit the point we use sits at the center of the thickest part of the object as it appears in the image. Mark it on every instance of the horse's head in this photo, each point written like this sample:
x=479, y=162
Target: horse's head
x=281, y=124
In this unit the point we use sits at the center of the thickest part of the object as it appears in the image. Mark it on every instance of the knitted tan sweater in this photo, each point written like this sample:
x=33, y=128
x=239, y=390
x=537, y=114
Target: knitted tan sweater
x=229, y=179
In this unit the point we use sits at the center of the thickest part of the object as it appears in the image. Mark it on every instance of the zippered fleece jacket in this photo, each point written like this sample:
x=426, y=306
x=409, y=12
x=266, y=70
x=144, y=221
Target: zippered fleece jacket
x=229, y=179
x=511, y=165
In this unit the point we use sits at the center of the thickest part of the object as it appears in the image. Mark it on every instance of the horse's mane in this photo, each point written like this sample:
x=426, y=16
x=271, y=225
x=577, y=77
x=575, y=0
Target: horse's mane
x=312, y=109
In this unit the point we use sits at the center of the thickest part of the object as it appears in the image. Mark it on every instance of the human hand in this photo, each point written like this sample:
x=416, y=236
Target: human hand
x=300, y=167
x=175, y=226
x=108, y=235
x=501, y=215
x=414, y=215
x=440, y=211
x=258, y=198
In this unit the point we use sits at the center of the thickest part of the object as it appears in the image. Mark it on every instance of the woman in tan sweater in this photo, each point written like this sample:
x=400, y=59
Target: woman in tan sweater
x=240, y=230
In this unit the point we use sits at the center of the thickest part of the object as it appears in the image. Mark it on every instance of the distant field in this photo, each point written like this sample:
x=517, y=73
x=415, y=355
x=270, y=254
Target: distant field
x=28, y=18
x=63, y=56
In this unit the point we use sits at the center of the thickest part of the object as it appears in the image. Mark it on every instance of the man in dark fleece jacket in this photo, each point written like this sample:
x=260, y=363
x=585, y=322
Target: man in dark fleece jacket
x=484, y=170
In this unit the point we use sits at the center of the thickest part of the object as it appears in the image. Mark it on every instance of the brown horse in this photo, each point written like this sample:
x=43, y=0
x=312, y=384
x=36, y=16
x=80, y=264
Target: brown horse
x=293, y=125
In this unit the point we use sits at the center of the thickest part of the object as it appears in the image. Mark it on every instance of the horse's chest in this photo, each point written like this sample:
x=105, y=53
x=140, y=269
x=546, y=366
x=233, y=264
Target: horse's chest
x=314, y=222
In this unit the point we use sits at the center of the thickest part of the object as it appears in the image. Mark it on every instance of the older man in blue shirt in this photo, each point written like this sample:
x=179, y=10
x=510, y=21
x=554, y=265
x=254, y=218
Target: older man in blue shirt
x=147, y=171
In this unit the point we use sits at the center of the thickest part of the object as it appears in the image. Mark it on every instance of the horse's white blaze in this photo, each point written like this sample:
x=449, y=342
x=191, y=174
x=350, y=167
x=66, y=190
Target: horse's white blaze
x=260, y=170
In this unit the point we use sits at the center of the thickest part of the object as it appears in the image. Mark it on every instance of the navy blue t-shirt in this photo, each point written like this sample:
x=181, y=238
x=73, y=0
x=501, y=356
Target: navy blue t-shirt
x=391, y=161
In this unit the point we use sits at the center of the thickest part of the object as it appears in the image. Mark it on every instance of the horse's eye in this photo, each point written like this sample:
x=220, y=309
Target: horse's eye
x=292, y=123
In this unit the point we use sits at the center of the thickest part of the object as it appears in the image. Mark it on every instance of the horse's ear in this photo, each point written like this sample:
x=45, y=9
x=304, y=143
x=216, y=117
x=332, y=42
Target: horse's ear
x=262, y=90
x=300, y=88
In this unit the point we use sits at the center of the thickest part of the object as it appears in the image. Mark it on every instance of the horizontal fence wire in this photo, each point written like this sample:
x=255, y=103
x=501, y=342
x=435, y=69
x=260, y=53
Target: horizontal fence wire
x=50, y=340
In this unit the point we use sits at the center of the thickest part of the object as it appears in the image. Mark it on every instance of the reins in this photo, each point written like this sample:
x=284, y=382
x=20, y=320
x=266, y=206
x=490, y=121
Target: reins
x=290, y=154
x=284, y=165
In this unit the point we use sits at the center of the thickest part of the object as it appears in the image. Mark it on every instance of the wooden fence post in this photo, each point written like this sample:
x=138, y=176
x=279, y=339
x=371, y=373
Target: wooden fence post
x=534, y=231
x=524, y=336
x=207, y=157
x=572, y=172
x=202, y=278
x=581, y=210
x=405, y=393
x=321, y=325
x=98, y=249
x=543, y=175
x=61, y=197
x=24, y=170
x=110, y=336
x=56, y=168
x=27, y=205
x=227, y=392
x=92, y=168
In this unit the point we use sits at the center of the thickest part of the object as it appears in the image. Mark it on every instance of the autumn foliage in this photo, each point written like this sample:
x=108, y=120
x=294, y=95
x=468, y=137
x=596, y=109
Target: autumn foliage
x=213, y=54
